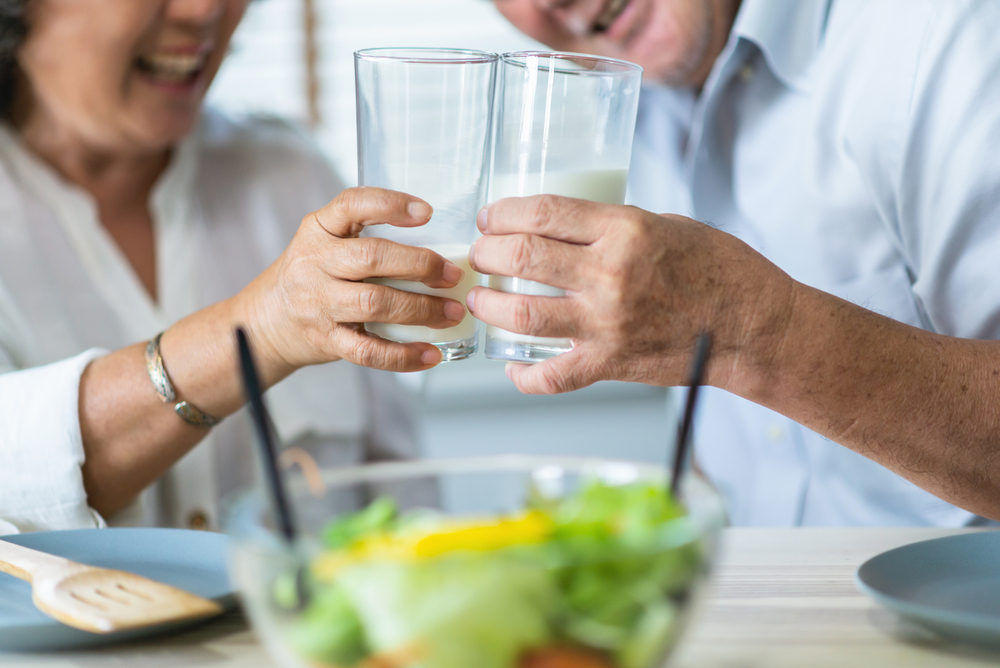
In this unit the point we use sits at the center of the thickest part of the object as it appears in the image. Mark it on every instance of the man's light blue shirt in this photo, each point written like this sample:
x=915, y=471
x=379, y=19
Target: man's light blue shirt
x=856, y=144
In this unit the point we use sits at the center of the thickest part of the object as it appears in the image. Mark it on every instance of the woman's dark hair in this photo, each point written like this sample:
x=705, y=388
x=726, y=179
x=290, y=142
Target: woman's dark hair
x=12, y=32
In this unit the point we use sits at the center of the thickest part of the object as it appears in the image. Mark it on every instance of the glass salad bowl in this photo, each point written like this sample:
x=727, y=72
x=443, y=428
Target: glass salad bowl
x=498, y=562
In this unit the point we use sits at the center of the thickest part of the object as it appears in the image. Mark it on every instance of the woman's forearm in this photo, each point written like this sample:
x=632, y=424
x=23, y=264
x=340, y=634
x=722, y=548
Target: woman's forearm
x=130, y=436
x=304, y=309
x=924, y=405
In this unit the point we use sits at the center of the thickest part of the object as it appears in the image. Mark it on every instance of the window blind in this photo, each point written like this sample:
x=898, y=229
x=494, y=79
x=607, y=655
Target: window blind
x=266, y=71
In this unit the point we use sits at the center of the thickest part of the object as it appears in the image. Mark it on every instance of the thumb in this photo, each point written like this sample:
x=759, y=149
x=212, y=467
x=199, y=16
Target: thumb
x=562, y=373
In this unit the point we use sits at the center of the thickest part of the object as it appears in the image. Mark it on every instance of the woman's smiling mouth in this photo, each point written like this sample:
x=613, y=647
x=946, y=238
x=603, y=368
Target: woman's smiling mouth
x=172, y=68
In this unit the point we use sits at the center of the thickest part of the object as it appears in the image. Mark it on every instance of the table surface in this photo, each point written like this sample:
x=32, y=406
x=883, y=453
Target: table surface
x=780, y=597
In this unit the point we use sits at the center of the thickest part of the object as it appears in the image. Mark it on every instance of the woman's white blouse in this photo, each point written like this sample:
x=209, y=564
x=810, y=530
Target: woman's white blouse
x=226, y=207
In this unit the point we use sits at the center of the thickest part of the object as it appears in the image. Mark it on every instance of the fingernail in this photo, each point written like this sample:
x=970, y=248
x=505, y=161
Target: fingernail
x=431, y=356
x=454, y=311
x=452, y=272
x=481, y=220
x=419, y=210
x=470, y=301
x=506, y=370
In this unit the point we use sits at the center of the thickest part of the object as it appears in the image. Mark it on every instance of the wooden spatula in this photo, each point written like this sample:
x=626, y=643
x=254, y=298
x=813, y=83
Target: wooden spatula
x=99, y=600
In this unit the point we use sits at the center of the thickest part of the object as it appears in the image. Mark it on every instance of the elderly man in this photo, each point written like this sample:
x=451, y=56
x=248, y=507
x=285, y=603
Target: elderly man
x=846, y=155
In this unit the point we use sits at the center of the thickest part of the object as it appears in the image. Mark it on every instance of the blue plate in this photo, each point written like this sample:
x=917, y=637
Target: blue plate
x=949, y=585
x=192, y=560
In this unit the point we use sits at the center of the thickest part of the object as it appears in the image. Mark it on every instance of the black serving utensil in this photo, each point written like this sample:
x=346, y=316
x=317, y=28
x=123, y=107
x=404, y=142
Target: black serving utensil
x=683, y=444
x=268, y=456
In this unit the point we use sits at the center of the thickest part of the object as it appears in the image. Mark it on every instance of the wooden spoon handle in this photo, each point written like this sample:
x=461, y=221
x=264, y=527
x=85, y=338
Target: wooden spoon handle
x=25, y=563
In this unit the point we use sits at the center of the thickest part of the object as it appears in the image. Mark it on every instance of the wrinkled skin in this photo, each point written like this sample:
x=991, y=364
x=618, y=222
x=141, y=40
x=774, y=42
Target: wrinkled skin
x=640, y=289
x=675, y=41
x=307, y=308
x=106, y=89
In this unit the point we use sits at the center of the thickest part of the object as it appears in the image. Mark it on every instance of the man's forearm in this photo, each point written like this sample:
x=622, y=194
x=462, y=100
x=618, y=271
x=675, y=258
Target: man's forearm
x=642, y=286
x=924, y=405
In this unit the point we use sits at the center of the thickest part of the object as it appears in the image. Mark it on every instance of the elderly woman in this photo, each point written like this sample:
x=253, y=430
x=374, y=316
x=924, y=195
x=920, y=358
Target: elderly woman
x=127, y=210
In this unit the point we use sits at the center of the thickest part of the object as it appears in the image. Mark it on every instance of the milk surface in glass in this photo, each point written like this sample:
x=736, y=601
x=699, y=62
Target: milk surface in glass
x=606, y=186
x=458, y=254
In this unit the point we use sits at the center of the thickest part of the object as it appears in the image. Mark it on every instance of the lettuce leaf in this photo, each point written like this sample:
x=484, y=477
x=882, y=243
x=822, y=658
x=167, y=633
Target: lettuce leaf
x=376, y=517
x=329, y=632
x=456, y=612
x=615, y=568
x=611, y=574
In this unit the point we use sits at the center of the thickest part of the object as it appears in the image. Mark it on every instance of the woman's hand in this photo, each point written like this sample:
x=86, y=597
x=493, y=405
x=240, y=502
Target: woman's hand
x=310, y=305
x=306, y=308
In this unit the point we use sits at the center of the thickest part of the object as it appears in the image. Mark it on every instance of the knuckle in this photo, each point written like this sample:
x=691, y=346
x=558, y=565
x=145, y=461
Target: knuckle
x=344, y=203
x=525, y=316
x=636, y=226
x=634, y=215
x=366, y=352
x=371, y=300
x=370, y=198
x=430, y=309
x=307, y=222
x=519, y=254
x=336, y=217
x=427, y=263
x=545, y=209
x=367, y=256
x=420, y=308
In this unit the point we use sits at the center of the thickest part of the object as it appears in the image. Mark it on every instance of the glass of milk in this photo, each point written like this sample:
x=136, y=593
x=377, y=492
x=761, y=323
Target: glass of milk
x=425, y=128
x=564, y=127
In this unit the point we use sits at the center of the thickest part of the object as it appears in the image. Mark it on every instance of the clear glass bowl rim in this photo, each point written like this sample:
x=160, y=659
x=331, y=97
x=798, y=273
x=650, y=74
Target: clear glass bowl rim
x=705, y=507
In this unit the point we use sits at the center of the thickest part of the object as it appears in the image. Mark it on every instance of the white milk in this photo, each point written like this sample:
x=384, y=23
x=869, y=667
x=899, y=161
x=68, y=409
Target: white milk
x=457, y=254
x=606, y=186
x=598, y=185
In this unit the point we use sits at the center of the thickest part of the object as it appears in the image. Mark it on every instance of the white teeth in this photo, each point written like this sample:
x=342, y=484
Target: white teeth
x=174, y=68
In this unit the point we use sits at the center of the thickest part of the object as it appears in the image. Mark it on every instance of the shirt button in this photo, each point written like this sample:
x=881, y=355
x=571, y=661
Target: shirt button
x=746, y=72
x=198, y=520
x=776, y=433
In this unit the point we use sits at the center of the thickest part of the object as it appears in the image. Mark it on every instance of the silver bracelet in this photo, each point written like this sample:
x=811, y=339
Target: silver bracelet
x=161, y=382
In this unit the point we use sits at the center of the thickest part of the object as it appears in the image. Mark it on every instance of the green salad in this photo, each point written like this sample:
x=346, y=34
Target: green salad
x=592, y=579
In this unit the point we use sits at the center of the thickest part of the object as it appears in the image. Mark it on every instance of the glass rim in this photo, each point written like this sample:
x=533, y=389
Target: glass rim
x=627, y=67
x=423, y=55
x=710, y=510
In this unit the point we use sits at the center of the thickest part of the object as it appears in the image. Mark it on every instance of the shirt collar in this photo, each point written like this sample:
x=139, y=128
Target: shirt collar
x=789, y=33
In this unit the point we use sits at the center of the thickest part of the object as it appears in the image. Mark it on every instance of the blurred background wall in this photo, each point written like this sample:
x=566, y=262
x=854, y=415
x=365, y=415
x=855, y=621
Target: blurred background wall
x=294, y=58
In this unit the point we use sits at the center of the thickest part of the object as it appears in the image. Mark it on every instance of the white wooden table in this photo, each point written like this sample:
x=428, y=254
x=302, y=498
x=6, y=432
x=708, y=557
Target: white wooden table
x=781, y=597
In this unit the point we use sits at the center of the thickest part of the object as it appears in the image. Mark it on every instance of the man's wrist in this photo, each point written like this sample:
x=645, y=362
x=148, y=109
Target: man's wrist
x=769, y=327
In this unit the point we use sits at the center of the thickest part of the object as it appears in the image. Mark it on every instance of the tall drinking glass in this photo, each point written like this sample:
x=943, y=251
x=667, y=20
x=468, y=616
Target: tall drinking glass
x=565, y=126
x=424, y=128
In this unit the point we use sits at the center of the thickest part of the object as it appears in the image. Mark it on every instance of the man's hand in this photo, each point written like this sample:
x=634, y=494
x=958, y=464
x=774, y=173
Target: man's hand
x=640, y=287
